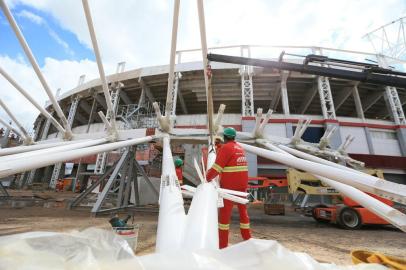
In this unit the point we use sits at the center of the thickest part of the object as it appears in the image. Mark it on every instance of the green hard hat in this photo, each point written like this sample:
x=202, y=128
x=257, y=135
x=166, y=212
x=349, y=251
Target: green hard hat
x=229, y=132
x=178, y=162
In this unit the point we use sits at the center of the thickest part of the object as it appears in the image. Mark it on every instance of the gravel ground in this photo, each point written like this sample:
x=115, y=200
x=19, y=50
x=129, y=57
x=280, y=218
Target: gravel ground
x=324, y=242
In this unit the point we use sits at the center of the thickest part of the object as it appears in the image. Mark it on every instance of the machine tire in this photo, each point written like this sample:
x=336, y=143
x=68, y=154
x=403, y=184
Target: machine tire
x=349, y=219
x=314, y=213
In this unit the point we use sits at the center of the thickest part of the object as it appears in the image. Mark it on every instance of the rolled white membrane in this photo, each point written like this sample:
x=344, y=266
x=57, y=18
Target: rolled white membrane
x=96, y=249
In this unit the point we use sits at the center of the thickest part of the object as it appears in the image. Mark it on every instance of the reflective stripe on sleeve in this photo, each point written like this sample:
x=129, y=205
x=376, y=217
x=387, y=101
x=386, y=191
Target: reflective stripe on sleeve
x=235, y=168
x=217, y=168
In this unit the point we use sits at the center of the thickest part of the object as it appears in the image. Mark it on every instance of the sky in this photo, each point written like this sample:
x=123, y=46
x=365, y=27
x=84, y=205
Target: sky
x=139, y=33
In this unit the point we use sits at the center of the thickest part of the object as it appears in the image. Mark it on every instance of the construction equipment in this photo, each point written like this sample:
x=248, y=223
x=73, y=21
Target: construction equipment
x=303, y=186
x=336, y=209
x=349, y=214
x=117, y=222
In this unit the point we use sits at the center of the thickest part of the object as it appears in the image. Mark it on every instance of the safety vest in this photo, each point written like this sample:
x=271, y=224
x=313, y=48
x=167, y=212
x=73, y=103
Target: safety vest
x=231, y=163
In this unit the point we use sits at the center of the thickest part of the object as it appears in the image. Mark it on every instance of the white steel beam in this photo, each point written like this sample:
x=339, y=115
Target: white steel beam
x=31, y=100
x=203, y=42
x=172, y=85
x=99, y=63
x=27, y=136
x=31, y=58
x=10, y=127
x=362, y=181
x=13, y=167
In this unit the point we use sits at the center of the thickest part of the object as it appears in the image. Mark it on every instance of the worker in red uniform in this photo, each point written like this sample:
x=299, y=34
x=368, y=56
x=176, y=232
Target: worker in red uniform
x=218, y=142
x=231, y=164
x=178, y=169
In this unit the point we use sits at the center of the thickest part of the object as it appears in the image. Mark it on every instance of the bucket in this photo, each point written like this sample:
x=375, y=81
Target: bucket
x=129, y=233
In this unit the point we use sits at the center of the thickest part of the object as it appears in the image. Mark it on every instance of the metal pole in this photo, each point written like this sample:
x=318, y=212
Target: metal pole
x=17, y=166
x=37, y=70
x=99, y=62
x=169, y=97
x=207, y=82
x=393, y=191
x=28, y=148
x=12, y=128
x=57, y=149
x=31, y=100
x=386, y=212
x=20, y=127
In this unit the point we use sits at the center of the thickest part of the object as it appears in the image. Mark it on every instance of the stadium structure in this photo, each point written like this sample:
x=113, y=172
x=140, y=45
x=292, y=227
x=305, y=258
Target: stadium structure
x=362, y=110
x=328, y=104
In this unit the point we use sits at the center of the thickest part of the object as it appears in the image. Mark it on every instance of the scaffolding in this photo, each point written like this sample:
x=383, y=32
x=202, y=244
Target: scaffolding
x=138, y=115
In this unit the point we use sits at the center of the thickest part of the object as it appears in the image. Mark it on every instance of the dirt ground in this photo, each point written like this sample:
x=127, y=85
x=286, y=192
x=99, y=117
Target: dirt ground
x=324, y=242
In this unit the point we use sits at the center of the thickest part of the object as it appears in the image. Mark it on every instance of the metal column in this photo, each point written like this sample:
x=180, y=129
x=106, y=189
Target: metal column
x=247, y=91
x=115, y=99
x=326, y=98
x=327, y=105
x=71, y=116
x=285, y=101
x=395, y=108
x=175, y=90
x=102, y=157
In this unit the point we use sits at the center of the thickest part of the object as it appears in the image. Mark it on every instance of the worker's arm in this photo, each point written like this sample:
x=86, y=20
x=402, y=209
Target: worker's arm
x=222, y=159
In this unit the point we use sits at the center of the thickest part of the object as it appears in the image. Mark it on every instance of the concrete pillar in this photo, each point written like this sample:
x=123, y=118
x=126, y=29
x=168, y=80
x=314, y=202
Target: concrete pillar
x=401, y=134
x=360, y=114
x=335, y=139
x=248, y=126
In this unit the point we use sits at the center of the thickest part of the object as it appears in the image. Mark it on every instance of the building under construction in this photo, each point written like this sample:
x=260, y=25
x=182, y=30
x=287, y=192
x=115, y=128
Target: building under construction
x=331, y=114
x=361, y=109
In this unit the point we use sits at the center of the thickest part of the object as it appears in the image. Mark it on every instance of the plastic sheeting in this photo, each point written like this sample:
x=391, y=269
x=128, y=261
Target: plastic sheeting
x=95, y=249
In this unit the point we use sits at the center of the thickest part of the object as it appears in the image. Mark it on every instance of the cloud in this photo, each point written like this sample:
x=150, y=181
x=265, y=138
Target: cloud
x=41, y=21
x=59, y=74
x=32, y=17
x=139, y=32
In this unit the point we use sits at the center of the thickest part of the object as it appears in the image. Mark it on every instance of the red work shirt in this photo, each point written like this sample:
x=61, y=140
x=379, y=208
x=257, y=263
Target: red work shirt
x=231, y=163
x=179, y=174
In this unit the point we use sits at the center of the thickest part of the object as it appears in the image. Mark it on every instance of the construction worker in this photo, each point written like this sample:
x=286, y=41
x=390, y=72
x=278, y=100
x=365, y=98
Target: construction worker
x=178, y=169
x=231, y=164
x=218, y=141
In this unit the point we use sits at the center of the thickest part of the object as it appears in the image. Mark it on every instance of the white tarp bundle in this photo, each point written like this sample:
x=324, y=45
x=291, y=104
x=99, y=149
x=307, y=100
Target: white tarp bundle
x=95, y=249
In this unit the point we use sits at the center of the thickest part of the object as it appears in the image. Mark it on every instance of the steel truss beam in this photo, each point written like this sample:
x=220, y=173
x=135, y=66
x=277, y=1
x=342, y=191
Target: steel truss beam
x=364, y=76
x=247, y=91
x=128, y=169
